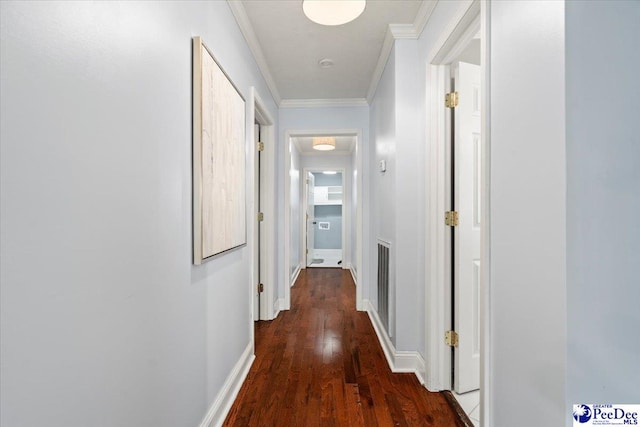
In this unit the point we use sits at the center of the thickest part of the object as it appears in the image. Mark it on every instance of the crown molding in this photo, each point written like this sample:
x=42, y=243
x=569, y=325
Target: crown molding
x=403, y=31
x=424, y=13
x=387, y=45
x=254, y=45
x=329, y=102
x=394, y=32
x=397, y=32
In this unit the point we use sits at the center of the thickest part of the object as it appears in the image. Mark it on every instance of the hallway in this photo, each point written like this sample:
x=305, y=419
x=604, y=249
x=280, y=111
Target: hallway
x=320, y=364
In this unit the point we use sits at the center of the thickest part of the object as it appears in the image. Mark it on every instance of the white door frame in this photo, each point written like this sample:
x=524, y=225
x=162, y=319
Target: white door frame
x=342, y=218
x=357, y=216
x=470, y=16
x=258, y=113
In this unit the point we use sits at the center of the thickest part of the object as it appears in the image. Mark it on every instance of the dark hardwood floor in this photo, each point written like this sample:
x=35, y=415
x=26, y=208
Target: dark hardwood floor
x=320, y=364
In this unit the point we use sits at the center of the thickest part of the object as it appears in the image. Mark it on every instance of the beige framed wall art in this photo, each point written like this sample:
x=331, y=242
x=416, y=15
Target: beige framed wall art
x=219, y=161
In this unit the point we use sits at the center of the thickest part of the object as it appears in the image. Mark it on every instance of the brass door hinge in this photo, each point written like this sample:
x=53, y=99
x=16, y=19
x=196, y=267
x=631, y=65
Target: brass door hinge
x=451, y=338
x=451, y=100
x=260, y=216
x=260, y=287
x=451, y=218
x=260, y=146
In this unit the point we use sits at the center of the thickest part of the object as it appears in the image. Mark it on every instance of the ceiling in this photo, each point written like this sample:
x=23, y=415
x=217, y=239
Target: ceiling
x=288, y=47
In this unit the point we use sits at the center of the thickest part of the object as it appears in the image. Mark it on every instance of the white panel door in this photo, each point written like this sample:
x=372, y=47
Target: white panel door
x=467, y=234
x=310, y=217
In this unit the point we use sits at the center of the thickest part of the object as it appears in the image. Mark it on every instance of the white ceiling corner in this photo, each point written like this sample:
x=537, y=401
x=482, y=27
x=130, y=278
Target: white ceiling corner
x=249, y=35
x=387, y=45
x=399, y=31
x=287, y=48
x=423, y=16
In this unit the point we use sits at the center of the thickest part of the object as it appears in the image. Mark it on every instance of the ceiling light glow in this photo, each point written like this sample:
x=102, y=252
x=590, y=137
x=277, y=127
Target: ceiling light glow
x=333, y=12
x=324, y=143
x=329, y=172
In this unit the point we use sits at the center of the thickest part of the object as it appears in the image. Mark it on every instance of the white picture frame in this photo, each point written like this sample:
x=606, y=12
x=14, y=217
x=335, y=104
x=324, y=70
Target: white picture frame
x=219, y=159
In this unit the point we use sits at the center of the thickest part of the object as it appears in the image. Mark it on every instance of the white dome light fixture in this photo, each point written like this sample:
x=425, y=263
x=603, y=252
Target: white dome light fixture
x=333, y=12
x=324, y=143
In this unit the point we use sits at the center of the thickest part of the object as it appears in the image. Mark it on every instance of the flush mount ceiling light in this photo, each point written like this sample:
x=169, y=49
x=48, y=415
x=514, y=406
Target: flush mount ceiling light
x=329, y=172
x=333, y=12
x=324, y=143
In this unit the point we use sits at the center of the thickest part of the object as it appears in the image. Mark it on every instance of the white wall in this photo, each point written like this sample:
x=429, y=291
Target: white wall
x=398, y=195
x=527, y=201
x=410, y=196
x=318, y=119
x=383, y=184
x=545, y=273
x=104, y=319
x=603, y=200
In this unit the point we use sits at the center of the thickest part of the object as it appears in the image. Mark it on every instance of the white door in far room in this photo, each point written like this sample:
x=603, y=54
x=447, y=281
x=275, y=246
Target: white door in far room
x=310, y=217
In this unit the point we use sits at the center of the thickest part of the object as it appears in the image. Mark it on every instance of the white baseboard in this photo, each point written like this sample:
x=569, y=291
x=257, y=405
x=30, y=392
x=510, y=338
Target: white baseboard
x=278, y=306
x=353, y=274
x=399, y=361
x=222, y=404
x=295, y=275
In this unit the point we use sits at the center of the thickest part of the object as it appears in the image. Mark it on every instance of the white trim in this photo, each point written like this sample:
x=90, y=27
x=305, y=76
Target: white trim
x=259, y=112
x=278, y=306
x=438, y=362
x=452, y=32
x=424, y=13
x=486, y=386
x=295, y=275
x=254, y=45
x=221, y=405
x=387, y=45
x=399, y=361
x=403, y=31
x=290, y=145
x=353, y=275
x=437, y=292
x=410, y=361
x=395, y=32
x=328, y=102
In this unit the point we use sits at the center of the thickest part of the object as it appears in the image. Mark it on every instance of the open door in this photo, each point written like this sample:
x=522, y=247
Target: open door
x=466, y=197
x=310, y=217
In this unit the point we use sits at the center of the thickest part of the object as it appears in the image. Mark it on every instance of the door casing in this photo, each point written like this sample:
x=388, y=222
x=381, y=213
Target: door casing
x=357, y=217
x=258, y=113
x=343, y=219
x=471, y=17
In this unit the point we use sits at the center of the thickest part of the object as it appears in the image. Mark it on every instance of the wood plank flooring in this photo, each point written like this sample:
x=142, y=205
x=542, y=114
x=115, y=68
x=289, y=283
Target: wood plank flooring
x=320, y=364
